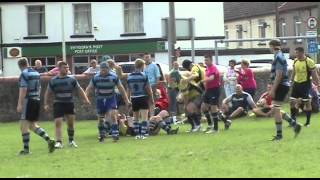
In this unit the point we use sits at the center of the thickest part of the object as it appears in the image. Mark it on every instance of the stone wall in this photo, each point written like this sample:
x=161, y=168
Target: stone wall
x=9, y=93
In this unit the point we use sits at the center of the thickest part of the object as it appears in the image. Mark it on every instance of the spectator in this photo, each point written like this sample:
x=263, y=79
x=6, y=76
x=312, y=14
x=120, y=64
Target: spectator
x=111, y=64
x=246, y=78
x=240, y=103
x=230, y=79
x=93, y=69
x=153, y=73
x=55, y=71
x=264, y=107
x=174, y=80
x=39, y=68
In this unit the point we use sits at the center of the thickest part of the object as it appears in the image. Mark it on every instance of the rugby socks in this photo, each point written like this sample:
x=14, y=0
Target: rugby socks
x=26, y=140
x=165, y=126
x=115, y=130
x=208, y=116
x=102, y=129
x=42, y=133
x=197, y=119
x=107, y=127
x=308, y=114
x=294, y=112
x=70, y=134
x=144, y=128
x=279, y=129
x=190, y=120
x=136, y=127
x=215, y=121
x=291, y=121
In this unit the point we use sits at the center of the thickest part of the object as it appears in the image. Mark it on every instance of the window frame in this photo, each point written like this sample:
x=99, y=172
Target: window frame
x=49, y=67
x=44, y=17
x=74, y=18
x=124, y=18
x=239, y=32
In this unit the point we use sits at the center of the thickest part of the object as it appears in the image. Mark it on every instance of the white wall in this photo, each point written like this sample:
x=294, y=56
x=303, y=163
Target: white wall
x=11, y=67
x=14, y=22
x=108, y=16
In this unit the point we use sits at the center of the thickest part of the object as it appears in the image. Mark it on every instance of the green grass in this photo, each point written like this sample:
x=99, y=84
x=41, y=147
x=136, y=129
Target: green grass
x=243, y=151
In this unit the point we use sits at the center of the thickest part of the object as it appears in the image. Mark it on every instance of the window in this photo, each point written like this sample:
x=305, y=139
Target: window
x=262, y=28
x=80, y=64
x=82, y=19
x=283, y=29
x=47, y=62
x=239, y=33
x=297, y=28
x=36, y=20
x=226, y=33
x=133, y=17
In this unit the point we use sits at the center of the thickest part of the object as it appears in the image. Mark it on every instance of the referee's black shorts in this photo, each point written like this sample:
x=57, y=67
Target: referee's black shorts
x=301, y=90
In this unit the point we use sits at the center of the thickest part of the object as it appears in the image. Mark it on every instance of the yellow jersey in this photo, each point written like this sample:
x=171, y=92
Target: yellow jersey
x=302, y=68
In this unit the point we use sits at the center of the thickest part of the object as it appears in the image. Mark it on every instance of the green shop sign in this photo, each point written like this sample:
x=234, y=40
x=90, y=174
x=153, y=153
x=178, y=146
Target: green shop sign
x=86, y=48
x=116, y=48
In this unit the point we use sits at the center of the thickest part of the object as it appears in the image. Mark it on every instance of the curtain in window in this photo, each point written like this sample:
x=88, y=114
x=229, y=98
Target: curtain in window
x=82, y=19
x=36, y=20
x=133, y=17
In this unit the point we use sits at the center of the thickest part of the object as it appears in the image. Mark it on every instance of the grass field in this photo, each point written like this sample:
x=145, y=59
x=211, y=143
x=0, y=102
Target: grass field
x=243, y=151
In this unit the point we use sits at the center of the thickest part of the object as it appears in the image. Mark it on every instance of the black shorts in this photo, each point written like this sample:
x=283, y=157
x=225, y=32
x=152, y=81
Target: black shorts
x=120, y=101
x=301, y=90
x=211, y=96
x=140, y=103
x=281, y=93
x=31, y=110
x=233, y=109
x=60, y=109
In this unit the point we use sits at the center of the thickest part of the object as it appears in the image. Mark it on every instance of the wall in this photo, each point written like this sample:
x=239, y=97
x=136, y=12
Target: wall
x=10, y=93
x=9, y=97
x=10, y=67
x=251, y=26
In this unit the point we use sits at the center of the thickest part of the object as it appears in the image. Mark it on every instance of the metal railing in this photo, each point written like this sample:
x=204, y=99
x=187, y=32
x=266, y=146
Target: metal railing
x=216, y=50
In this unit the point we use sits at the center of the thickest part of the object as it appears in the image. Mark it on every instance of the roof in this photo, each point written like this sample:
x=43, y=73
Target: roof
x=288, y=6
x=240, y=10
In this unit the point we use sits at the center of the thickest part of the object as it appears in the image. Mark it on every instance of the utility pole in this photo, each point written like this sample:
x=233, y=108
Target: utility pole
x=171, y=33
x=277, y=19
x=64, y=56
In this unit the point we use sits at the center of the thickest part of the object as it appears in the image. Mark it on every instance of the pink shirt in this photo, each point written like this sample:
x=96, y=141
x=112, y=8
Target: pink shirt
x=212, y=70
x=246, y=79
x=55, y=71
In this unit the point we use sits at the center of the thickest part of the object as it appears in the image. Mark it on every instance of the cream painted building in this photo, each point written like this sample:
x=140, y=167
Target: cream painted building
x=244, y=20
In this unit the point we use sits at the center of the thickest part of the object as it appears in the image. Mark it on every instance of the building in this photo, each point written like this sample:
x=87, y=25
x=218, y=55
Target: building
x=244, y=20
x=293, y=17
x=122, y=30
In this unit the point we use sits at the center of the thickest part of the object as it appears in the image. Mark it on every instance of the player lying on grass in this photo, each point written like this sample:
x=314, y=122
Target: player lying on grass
x=264, y=109
x=162, y=121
